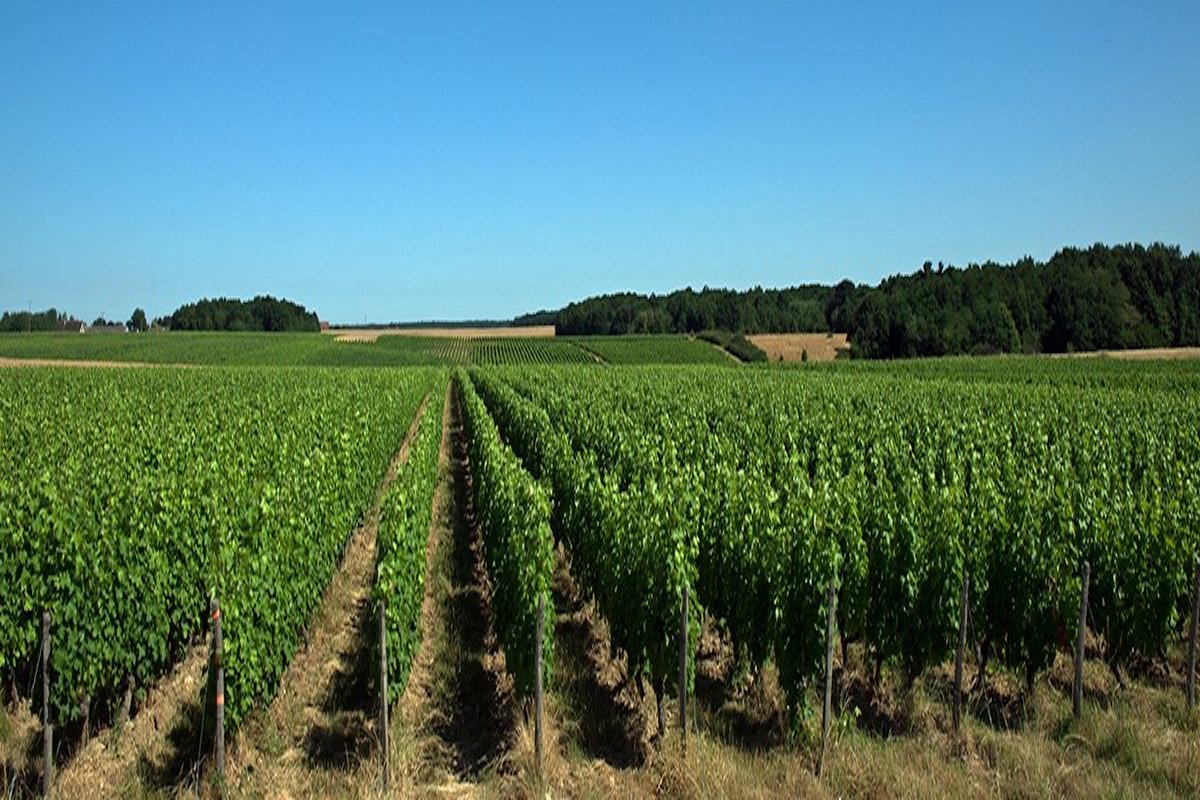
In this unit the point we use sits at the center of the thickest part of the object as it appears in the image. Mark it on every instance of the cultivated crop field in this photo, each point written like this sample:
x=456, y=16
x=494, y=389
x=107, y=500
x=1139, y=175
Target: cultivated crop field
x=755, y=539
x=308, y=349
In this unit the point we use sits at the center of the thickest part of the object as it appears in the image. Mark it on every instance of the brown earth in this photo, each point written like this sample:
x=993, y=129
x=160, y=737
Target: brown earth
x=157, y=745
x=1145, y=354
x=603, y=711
x=791, y=346
x=506, y=332
x=61, y=362
x=456, y=723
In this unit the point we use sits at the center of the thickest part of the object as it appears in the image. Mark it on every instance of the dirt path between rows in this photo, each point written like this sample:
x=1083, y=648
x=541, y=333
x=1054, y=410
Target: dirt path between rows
x=156, y=746
x=455, y=722
x=7, y=363
x=316, y=737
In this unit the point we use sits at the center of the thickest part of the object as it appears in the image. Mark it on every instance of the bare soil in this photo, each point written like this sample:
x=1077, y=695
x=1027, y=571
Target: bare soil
x=6, y=363
x=788, y=347
x=157, y=746
x=457, y=721
x=1145, y=354
x=603, y=713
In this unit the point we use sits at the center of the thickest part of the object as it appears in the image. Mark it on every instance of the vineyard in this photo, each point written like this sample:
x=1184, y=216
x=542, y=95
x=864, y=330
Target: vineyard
x=241, y=485
x=755, y=489
x=130, y=499
x=304, y=349
x=651, y=349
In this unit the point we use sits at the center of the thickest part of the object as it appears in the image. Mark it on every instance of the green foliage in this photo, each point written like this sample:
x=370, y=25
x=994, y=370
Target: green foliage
x=263, y=313
x=137, y=322
x=627, y=532
x=293, y=349
x=798, y=309
x=763, y=484
x=1098, y=298
x=25, y=321
x=128, y=498
x=650, y=350
x=405, y=517
x=737, y=344
x=514, y=514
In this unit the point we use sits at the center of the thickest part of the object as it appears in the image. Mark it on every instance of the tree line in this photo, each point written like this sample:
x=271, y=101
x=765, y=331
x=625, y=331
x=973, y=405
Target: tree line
x=263, y=313
x=17, y=321
x=1102, y=297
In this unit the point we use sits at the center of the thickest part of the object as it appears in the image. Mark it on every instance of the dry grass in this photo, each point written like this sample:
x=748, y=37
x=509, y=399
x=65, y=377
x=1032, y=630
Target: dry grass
x=8, y=363
x=1140, y=742
x=1145, y=354
x=789, y=347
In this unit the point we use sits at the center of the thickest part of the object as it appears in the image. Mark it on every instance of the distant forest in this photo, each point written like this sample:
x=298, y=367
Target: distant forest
x=1081, y=299
x=260, y=314
x=16, y=321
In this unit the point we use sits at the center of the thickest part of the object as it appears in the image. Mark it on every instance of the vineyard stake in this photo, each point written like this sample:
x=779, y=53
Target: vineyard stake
x=85, y=710
x=827, y=708
x=1191, y=674
x=962, y=645
x=683, y=662
x=537, y=686
x=218, y=664
x=383, y=692
x=1077, y=693
x=47, y=728
x=127, y=701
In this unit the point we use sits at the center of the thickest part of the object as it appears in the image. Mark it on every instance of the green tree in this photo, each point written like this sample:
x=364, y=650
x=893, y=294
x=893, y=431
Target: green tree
x=137, y=322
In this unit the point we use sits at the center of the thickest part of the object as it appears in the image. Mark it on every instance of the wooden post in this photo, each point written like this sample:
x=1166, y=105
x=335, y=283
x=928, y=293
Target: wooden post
x=1191, y=673
x=827, y=708
x=127, y=701
x=383, y=693
x=47, y=728
x=219, y=667
x=85, y=711
x=962, y=646
x=1077, y=693
x=537, y=686
x=683, y=668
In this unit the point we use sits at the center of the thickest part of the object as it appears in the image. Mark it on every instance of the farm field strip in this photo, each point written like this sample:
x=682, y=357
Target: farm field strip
x=650, y=349
x=287, y=349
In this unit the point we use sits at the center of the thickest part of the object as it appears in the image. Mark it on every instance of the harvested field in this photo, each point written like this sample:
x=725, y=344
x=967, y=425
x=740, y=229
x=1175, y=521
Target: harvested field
x=1145, y=354
x=7, y=363
x=791, y=346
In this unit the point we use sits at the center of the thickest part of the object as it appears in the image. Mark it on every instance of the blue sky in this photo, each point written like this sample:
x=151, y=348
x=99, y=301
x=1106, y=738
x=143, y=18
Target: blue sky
x=413, y=161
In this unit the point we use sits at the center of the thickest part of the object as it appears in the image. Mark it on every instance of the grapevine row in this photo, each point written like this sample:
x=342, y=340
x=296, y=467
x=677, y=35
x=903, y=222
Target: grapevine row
x=403, y=535
x=514, y=515
x=128, y=498
x=788, y=479
x=628, y=543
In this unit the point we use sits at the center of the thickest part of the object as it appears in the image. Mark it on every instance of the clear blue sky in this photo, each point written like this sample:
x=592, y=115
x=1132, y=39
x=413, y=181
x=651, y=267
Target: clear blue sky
x=442, y=160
